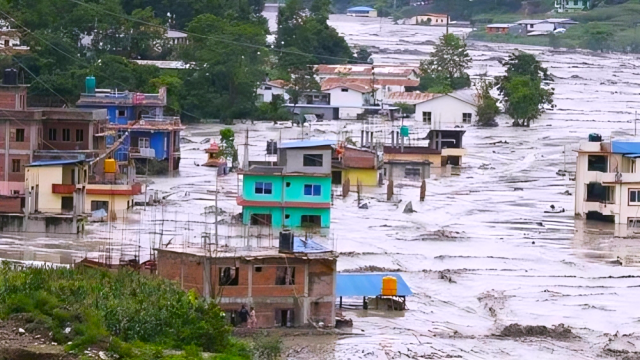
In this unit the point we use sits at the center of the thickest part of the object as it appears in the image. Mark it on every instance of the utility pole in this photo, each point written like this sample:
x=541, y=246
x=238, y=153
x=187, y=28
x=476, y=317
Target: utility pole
x=447, y=24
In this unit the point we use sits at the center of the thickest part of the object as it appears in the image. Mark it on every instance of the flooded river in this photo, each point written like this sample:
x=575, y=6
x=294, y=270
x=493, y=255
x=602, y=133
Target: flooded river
x=479, y=253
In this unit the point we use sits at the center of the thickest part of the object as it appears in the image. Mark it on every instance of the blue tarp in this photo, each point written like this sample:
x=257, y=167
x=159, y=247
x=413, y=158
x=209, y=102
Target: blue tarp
x=625, y=147
x=306, y=143
x=307, y=246
x=632, y=156
x=367, y=284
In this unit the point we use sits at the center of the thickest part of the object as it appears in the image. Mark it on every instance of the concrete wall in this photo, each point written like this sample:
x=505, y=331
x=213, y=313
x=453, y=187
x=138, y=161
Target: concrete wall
x=249, y=187
x=45, y=177
x=117, y=203
x=292, y=216
x=74, y=142
x=268, y=94
x=292, y=160
x=346, y=99
x=436, y=159
x=295, y=190
x=446, y=112
x=368, y=177
x=312, y=297
x=276, y=214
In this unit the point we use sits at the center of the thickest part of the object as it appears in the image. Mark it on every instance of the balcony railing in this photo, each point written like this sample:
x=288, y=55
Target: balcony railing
x=142, y=152
x=63, y=188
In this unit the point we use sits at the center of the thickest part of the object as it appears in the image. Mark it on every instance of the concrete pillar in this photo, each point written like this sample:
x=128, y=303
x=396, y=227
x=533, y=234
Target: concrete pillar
x=206, y=277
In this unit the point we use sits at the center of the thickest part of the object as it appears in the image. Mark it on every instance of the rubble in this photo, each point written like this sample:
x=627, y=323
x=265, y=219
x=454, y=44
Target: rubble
x=559, y=332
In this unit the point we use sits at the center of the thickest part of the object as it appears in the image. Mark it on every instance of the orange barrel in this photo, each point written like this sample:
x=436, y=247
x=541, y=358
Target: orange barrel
x=389, y=286
x=110, y=166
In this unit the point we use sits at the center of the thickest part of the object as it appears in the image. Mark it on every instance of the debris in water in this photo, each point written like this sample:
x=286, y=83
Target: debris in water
x=556, y=332
x=408, y=209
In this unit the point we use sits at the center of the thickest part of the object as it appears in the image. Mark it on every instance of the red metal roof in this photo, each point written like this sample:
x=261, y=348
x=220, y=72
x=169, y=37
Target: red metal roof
x=332, y=82
x=287, y=204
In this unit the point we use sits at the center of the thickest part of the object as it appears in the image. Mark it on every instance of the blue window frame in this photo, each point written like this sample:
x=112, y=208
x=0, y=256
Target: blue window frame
x=265, y=188
x=312, y=190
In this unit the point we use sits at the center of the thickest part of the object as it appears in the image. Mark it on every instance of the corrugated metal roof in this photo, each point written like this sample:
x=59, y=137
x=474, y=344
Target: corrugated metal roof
x=349, y=85
x=400, y=71
x=625, y=147
x=530, y=21
x=301, y=245
x=367, y=284
x=306, y=143
x=55, y=162
x=501, y=25
x=332, y=81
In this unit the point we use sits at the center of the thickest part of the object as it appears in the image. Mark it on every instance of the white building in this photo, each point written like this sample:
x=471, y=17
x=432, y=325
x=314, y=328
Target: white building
x=269, y=89
x=447, y=111
x=537, y=26
x=608, y=181
x=176, y=37
x=349, y=98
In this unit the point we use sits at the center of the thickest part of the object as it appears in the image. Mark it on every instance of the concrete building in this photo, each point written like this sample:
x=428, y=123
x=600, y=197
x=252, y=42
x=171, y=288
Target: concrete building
x=355, y=164
x=512, y=29
x=293, y=285
x=447, y=111
x=176, y=37
x=295, y=193
x=608, y=181
x=384, y=87
x=269, y=89
x=151, y=135
x=572, y=5
x=537, y=26
x=362, y=11
x=430, y=19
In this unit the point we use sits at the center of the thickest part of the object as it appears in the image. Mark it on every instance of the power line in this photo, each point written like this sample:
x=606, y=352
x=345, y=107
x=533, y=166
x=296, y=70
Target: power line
x=39, y=80
x=218, y=38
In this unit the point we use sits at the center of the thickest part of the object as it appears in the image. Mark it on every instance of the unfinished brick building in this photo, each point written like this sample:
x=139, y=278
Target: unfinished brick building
x=293, y=285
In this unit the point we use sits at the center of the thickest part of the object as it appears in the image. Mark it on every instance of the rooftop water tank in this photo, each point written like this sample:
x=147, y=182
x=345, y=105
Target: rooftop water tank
x=389, y=286
x=110, y=166
x=90, y=83
x=286, y=241
x=593, y=137
x=10, y=77
x=404, y=131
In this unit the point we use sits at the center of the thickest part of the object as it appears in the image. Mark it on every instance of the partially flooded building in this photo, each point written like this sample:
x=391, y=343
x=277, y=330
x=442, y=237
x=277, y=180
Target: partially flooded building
x=608, y=181
x=293, y=284
x=358, y=165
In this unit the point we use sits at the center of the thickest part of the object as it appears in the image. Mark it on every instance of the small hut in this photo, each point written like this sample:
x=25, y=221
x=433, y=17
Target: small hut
x=214, y=159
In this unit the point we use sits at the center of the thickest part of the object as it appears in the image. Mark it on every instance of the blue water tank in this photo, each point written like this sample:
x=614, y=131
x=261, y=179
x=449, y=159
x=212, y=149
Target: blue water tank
x=90, y=83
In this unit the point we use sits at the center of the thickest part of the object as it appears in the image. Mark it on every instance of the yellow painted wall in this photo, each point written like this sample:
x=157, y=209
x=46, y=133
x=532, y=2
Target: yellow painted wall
x=368, y=177
x=436, y=159
x=45, y=177
x=116, y=202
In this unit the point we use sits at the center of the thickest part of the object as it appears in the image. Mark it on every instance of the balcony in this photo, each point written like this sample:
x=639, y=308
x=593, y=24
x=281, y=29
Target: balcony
x=64, y=189
x=125, y=190
x=610, y=178
x=135, y=152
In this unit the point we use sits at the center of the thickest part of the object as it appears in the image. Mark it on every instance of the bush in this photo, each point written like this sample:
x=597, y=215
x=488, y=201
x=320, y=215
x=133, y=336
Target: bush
x=117, y=309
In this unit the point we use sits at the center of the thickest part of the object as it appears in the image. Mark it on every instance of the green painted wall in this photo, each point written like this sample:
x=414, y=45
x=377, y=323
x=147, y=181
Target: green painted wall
x=294, y=215
x=295, y=192
x=276, y=214
x=249, y=187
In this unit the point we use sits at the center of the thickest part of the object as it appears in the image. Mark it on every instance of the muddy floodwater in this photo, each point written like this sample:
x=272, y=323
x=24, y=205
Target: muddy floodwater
x=479, y=253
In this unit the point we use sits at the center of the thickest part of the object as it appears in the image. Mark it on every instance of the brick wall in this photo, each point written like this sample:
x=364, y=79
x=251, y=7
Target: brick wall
x=10, y=205
x=7, y=99
x=17, y=176
x=72, y=143
x=16, y=127
x=185, y=269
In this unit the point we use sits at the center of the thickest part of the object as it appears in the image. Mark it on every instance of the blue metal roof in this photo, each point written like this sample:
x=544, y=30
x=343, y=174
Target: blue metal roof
x=306, y=143
x=308, y=246
x=360, y=8
x=625, y=147
x=369, y=284
x=55, y=162
x=632, y=156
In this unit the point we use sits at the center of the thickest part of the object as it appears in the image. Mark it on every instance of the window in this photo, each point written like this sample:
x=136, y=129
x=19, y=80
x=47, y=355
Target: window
x=228, y=276
x=264, y=188
x=261, y=219
x=122, y=113
x=79, y=135
x=633, y=222
x=97, y=205
x=466, y=118
x=285, y=275
x=288, y=184
x=6, y=43
x=15, y=166
x=634, y=197
x=344, y=90
x=598, y=193
x=53, y=134
x=597, y=163
x=267, y=87
x=143, y=143
x=15, y=192
x=66, y=135
x=310, y=221
x=312, y=190
x=312, y=160
x=426, y=117
x=20, y=135
x=258, y=268
x=287, y=216
x=411, y=172
x=66, y=204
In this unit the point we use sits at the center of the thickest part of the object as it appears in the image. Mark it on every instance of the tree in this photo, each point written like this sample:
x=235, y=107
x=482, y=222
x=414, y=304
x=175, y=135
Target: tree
x=362, y=55
x=523, y=95
x=227, y=146
x=487, y=108
x=405, y=108
x=446, y=67
x=597, y=37
x=302, y=80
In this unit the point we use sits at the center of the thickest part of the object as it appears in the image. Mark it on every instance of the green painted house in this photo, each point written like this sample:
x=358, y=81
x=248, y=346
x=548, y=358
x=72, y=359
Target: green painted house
x=572, y=5
x=295, y=193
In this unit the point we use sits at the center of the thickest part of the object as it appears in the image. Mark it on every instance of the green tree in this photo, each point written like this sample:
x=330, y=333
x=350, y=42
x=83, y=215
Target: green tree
x=446, y=67
x=521, y=88
x=228, y=148
x=362, y=55
x=302, y=80
x=487, y=108
x=405, y=108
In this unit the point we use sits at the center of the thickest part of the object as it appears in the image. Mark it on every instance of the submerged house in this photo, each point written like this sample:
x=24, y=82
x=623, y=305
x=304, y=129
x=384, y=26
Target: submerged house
x=447, y=111
x=151, y=136
x=290, y=285
x=356, y=164
x=608, y=181
x=294, y=193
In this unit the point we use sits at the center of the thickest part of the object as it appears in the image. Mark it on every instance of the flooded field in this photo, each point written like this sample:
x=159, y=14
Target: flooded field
x=479, y=253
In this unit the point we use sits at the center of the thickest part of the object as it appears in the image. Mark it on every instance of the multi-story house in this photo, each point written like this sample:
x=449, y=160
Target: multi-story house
x=572, y=5
x=151, y=135
x=608, y=181
x=295, y=193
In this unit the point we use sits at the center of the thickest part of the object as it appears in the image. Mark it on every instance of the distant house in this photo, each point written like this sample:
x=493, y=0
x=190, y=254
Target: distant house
x=176, y=37
x=362, y=11
x=430, y=19
x=269, y=89
x=447, y=111
x=540, y=26
x=562, y=23
x=513, y=29
x=363, y=71
x=10, y=40
x=572, y=5
x=385, y=86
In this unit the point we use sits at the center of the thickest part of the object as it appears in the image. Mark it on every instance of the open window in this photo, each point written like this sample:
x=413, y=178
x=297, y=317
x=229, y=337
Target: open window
x=310, y=221
x=285, y=275
x=598, y=193
x=597, y=163
x=261, y=219
x=228, y=276
x=312, y=160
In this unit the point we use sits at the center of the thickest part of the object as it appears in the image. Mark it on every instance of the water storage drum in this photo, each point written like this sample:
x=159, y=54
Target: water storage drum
x=389, y=286
x=10, y=77
x=404, y=131
x=90, y=83
x=110, y=166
